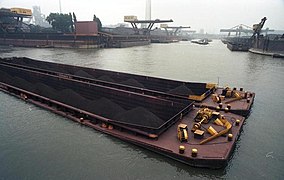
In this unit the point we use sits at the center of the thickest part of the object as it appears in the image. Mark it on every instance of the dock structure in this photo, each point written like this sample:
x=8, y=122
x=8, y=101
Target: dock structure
x=11, y=20
x=243, y=29
x=173, y=30
x=238, y=30
x=148, y=29
x=85, y=34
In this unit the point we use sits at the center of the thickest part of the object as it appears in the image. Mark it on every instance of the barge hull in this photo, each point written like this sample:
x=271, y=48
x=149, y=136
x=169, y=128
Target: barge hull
x=267, y=53
x=208, y=160
x=238, y=47
x=51, y=40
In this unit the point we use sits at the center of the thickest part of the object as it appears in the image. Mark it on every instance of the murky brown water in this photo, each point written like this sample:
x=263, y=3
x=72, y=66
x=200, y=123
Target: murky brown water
x=37, y=144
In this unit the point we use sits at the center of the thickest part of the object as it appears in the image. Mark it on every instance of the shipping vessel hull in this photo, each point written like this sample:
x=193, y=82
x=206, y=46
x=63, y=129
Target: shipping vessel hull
x=269, y=46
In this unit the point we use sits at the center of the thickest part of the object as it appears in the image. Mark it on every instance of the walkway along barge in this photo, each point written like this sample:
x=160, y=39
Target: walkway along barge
x=174, y=127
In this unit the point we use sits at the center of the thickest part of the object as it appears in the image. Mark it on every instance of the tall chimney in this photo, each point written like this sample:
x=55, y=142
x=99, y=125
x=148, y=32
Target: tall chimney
x=148, y=10
x=60, y=11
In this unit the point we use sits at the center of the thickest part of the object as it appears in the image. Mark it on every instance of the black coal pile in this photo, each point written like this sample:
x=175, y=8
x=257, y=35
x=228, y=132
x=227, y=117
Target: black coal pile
x=140, y=116
x=41, y=66
x=72, y=98
x=58, y=68
x=23, y=84
x=106, y=78
x=6, y=78
x=105, y=108
x=82, y=73
x=181, y=90
x=132, y=82
x=45, y=90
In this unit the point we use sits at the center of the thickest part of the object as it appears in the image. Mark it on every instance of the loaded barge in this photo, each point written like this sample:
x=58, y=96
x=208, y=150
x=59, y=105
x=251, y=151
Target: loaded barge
x=200, y=93
x=269, y=45
x=171, y=123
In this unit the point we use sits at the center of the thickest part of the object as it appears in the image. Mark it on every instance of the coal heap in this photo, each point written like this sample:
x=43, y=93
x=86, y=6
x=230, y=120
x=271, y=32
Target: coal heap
x=104, y=107
x=45, y=90
x=106, y=78
x=72, y=98
x=82, y=73
x=23, y=84
x=140, y=116
x=132, y=82
x=6, y=77
x=181, y=90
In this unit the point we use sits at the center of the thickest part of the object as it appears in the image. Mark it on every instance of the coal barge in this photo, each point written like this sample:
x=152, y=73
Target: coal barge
x=239, y=43
x=260, y=42
x=270, y=45
x=201, y=136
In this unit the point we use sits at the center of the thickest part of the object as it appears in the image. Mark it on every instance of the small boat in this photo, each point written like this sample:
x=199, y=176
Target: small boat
x=201, y=41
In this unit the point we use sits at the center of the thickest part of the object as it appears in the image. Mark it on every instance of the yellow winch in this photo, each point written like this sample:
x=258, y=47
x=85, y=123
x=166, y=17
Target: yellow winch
x=182, y=132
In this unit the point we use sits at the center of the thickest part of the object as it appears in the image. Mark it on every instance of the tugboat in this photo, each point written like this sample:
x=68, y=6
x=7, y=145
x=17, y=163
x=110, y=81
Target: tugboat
x=204, y=41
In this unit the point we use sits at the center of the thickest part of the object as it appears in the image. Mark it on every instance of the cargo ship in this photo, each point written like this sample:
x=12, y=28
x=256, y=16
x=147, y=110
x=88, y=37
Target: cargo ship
x=195, y=132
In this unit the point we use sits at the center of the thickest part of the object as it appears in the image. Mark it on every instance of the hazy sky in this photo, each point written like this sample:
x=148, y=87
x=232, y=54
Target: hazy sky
x=211, y=15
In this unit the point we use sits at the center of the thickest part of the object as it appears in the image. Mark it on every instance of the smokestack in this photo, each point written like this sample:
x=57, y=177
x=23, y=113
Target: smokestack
x=60, y=6
x=148, y=10
x=147, y=13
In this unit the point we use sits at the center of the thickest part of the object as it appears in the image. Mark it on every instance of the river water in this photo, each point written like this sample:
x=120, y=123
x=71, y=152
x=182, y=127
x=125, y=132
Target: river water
x=37, y=144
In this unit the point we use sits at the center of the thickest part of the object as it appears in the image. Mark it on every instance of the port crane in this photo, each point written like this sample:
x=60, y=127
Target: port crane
x=146, y=31
x=257, y=28
x=242, y=28
x=238, y=29
x=174, y=29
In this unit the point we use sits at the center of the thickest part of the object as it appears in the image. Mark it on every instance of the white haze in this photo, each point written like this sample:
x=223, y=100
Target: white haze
x=210, y=15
